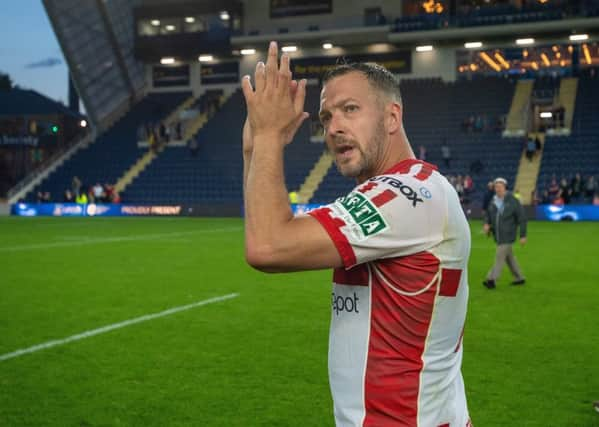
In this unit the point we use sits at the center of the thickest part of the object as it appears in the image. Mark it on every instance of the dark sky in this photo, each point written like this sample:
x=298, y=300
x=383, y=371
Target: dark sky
x=29, y=51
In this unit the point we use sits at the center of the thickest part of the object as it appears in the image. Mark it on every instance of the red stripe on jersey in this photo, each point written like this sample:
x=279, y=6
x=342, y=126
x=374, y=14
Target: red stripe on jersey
x=450, y=281
x=425, y=172
x=398, y=331
x=444, y=425
x=355, y=276
x=366, y=187
x=332, y=226
x=386, y=196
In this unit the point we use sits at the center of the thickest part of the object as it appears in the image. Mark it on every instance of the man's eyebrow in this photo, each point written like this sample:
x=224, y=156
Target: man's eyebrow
x=337, y=105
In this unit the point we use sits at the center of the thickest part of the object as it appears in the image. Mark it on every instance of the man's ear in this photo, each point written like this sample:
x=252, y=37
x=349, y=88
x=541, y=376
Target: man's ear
x=394, y=117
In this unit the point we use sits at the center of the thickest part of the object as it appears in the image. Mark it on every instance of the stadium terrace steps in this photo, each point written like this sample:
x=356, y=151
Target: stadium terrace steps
x=148, y=157
x=517, y=119
x=134, y=171
x=567, y=99
x=174, y=115
x=192, y=128
x=528, y=172
x=315, y=177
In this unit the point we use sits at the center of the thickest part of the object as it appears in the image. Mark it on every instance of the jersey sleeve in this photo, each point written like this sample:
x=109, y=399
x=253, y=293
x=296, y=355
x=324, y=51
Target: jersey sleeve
x=387, y=216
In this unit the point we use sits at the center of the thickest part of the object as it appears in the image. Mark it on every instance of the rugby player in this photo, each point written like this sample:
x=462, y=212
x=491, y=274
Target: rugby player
x=398, y=244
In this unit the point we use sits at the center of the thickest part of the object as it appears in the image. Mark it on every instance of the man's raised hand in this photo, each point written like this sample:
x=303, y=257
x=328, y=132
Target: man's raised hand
x=276, y=106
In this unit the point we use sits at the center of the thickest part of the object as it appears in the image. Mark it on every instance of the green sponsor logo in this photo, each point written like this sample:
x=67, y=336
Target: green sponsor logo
x=364, y=213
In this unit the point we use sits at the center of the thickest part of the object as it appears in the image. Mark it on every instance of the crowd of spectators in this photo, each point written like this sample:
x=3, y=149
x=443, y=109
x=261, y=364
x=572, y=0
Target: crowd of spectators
x=159, y=133
x=577, y=190
x=83, y=194
x=464, y=186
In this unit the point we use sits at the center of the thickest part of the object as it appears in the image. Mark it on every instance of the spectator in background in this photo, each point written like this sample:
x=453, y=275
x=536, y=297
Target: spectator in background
x=422, y=153
x=559, y=116
x=479, y=123
x=108, y=193
x=517, y=194
x=590, y=187
x=446, y=153
x=116, y=198
x=459, y=187
x=76, y=185
x=531, y=149
x=468, y=184
x=142, y=134
x=39, y=197
x=37, y=156
x=68, y=196
x=468, y=124
x=46, y=197
x=81, y=199
x=565, y=190
x=553, y=188
x=576, y=186
x=504, y=217
x=161, y=133
x=558, y=200
x=98, y=192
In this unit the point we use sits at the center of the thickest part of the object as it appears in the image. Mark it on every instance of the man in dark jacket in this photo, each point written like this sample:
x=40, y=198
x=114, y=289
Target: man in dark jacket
x=504, y=217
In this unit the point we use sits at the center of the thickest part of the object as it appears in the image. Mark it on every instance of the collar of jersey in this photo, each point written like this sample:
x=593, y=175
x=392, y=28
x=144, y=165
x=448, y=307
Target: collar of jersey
x=405, y=165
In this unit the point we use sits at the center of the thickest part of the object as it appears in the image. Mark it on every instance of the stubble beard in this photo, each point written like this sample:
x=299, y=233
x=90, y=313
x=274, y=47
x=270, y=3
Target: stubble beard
x=365, y=166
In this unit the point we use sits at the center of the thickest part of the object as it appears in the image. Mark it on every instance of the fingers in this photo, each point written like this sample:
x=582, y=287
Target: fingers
x=248, y=91
x=300, y=97
x=272, y=66
x=284, y=77
x=260, y=76
x=293, y=88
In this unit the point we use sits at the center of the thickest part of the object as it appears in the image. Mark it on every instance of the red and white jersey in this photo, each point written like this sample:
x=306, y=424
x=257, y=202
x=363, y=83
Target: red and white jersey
x=399, y=305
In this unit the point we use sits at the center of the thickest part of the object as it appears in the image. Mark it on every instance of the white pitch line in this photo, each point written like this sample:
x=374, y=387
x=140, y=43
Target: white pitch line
x=108, y=328
x=91, y=241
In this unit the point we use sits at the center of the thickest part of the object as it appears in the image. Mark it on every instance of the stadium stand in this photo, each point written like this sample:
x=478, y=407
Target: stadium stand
x=105, y=160
x=215, y=173
x=564, y=156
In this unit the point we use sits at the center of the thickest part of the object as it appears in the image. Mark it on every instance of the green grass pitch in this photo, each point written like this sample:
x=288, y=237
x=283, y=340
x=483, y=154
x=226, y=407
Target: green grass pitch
x=531, y=354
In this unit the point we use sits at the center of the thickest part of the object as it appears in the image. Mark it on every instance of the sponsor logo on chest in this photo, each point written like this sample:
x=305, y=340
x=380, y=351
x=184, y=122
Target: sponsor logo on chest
x=407, y=191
